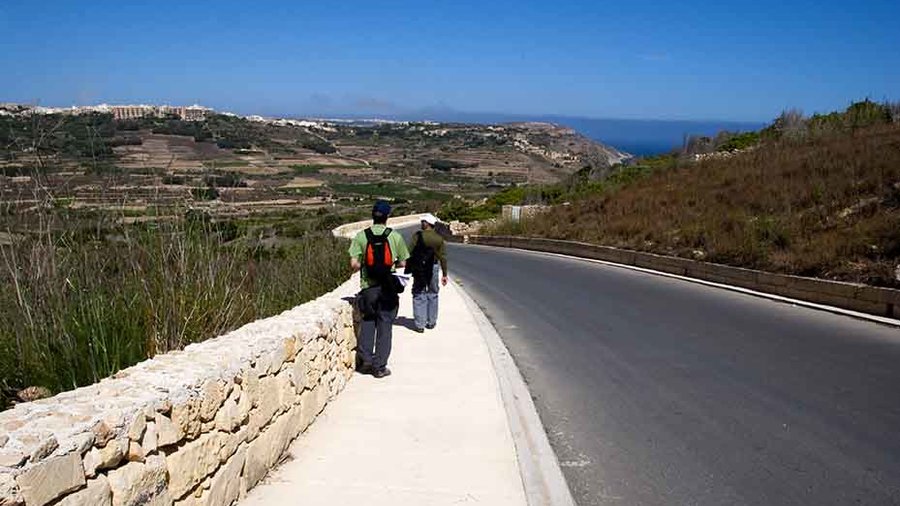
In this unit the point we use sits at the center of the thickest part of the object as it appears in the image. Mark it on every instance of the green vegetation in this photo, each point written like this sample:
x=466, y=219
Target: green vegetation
x=447, y=165
x=318, y=145
x=306, y=170
x=458, y=209
x=793, y=126
x=37, y=138
x=205, y=193
x=397, y=192
x=82, y=297
x=222, y=164
x=739, y=142
x=226, y=180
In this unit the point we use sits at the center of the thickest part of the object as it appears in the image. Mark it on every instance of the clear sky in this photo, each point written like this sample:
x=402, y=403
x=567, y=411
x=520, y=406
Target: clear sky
x=627, y=59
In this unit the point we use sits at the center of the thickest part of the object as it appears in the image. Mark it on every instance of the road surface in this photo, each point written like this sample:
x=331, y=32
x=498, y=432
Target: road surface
x=659, y=391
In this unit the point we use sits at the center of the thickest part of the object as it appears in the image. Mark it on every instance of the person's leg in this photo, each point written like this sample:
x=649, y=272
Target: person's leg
x=384, y=324
x=432, y=309
x=432, y=299
x=365, y=345
x=420, y=309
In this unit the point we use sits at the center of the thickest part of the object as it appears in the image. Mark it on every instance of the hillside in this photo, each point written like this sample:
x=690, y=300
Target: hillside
x=231, y=165
x=813, y=196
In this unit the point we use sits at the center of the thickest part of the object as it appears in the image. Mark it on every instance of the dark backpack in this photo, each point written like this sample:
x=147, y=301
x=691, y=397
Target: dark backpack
x=421, y=263
x=378, y=259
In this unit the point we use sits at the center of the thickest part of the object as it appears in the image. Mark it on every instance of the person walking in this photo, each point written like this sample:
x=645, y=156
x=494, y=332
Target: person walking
x=427, y=262
x=375, y=252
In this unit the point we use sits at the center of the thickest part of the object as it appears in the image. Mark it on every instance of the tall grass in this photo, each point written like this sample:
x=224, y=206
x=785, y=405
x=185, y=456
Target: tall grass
x=81, y=299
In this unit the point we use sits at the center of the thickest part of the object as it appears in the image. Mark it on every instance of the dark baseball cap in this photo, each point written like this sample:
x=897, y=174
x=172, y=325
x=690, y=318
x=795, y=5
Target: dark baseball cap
x=381, y=207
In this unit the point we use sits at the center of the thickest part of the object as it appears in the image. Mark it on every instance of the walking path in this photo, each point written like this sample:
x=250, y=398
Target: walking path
x=433, y=433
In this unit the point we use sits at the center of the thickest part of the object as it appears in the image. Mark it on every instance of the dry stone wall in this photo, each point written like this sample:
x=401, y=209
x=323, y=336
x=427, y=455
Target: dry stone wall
x=351, y=229
x=196, y=427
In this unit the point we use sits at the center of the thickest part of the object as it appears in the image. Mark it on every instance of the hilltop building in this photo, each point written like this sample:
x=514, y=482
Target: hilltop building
x=119, y=112
x=189, y=113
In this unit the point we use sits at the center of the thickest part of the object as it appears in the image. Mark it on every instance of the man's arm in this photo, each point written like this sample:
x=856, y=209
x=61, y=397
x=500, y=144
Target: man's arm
x=398, y=246
x=442, y=257
x=355, y=252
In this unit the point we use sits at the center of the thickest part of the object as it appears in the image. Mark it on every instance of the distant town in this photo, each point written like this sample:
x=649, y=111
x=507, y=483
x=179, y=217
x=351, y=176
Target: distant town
x=119, y=112
x=185, y=113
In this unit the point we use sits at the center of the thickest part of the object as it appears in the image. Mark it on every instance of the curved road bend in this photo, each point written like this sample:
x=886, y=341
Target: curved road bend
x=656, y=391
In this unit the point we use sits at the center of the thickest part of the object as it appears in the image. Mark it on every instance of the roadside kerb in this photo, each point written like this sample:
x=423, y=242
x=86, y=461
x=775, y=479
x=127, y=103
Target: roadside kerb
x=541, y=473
x=874, y=303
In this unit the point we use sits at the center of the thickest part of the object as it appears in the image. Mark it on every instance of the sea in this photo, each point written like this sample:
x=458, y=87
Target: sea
x=637, y=137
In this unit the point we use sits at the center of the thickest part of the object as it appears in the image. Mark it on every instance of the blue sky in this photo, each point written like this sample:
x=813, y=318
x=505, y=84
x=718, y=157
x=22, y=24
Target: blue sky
x=628, y=59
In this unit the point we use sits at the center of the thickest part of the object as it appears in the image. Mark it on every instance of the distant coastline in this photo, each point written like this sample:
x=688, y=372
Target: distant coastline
x=637, y=137
x=633, y=136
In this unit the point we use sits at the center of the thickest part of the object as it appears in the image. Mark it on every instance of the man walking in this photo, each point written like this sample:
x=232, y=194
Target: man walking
x=375, y=252
x=428, y=256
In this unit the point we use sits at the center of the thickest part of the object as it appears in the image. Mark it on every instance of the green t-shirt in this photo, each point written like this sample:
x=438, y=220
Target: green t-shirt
x=358, y=246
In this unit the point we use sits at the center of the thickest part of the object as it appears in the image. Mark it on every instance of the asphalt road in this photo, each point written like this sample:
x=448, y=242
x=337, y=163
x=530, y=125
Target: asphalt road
x=660, y=391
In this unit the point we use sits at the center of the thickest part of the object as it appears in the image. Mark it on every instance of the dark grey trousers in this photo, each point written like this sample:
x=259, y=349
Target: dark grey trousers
x=374, y=345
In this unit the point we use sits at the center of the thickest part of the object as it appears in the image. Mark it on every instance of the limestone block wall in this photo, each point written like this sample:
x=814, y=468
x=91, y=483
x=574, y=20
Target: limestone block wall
x=351, y=229
x=195, y=427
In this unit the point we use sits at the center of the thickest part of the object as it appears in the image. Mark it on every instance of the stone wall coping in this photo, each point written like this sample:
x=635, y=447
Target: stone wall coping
x=72, y=420
x=349, y=230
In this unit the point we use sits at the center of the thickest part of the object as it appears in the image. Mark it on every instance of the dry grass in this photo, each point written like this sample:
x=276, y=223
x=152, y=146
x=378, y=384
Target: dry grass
x=828, y=207
x=82, y=297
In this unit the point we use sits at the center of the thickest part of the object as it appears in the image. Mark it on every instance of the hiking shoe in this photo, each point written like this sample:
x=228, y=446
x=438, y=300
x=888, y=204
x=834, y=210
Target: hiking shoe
x=382, y=373
x=430, y=327
x=420, y=330
x=364, y=368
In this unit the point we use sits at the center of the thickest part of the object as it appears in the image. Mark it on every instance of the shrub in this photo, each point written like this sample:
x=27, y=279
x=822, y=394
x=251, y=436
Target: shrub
x=227, y=180
x=736, y=142
x=173, y=179
x=205, y=193
x=319, y=146
x=447, y=165
x=306, y=169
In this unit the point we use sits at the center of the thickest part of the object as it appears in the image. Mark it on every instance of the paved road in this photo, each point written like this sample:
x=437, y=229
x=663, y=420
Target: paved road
x=660, y=391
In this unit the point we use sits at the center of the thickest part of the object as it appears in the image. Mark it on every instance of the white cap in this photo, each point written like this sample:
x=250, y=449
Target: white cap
x=429, y=219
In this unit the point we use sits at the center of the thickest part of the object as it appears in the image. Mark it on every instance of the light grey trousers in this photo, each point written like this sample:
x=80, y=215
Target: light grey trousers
x=425, y=302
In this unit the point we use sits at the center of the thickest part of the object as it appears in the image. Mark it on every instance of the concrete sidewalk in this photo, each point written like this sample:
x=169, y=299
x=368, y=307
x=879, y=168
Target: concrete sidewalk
x=433, y=433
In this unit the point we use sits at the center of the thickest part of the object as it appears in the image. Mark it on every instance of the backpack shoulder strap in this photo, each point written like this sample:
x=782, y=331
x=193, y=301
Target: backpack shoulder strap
x=369, y=234
x=387, y=232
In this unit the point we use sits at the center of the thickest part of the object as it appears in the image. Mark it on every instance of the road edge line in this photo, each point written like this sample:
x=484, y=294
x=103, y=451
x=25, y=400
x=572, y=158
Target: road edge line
x=542, y=476
x=883, y=320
